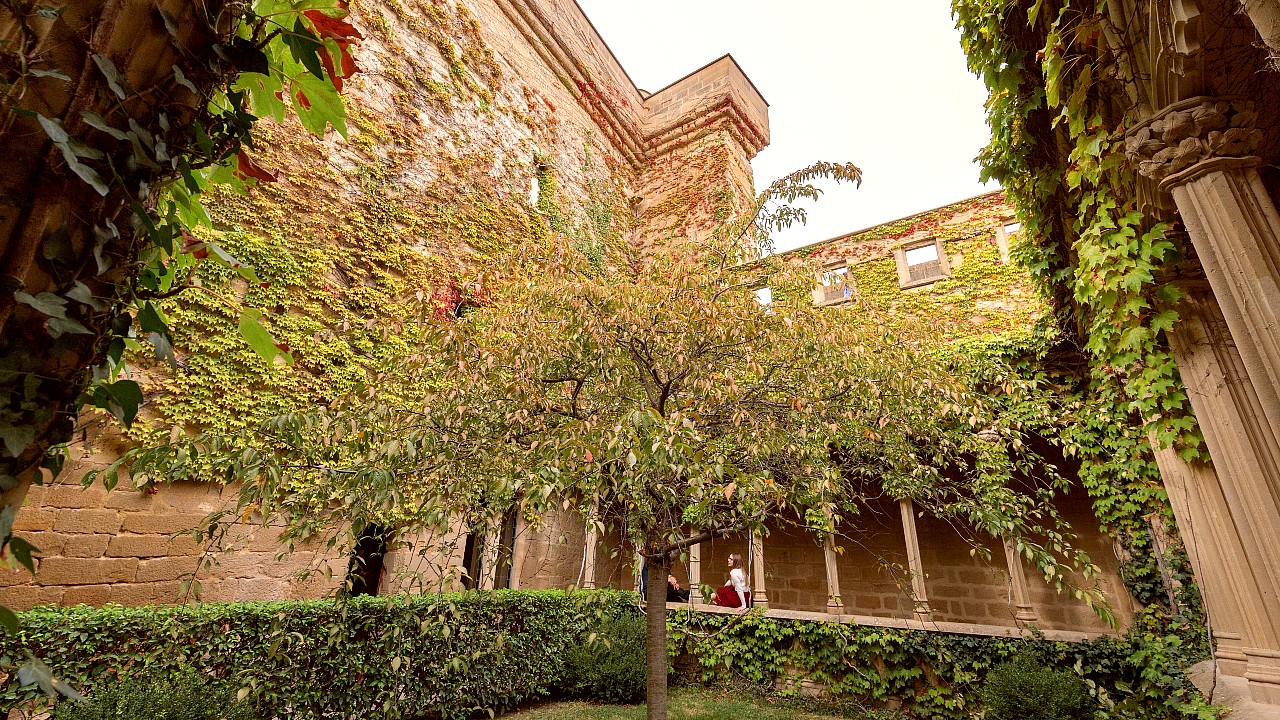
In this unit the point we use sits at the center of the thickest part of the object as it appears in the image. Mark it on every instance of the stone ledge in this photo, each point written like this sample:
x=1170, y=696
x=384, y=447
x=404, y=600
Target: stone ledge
x=952, y=628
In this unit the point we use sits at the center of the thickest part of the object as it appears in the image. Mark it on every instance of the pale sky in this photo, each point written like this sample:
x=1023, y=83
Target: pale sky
x=880, y=84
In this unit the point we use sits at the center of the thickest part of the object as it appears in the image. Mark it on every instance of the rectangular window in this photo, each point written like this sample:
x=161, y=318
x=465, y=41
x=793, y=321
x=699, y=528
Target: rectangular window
x=835, y=285
x=921, y=264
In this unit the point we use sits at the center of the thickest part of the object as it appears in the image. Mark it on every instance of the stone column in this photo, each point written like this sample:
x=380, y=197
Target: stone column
x=695, y=570
x=1240, y=511
x=1215, y=550
x=492, y=546
x=919, y=594
x=835, y=604
x=759, y=596
x=589, y=555
x=1228, y=343
x=1024, y=610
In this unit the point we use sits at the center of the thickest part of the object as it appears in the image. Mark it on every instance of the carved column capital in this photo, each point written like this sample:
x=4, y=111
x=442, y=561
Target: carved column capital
x=1192, y=137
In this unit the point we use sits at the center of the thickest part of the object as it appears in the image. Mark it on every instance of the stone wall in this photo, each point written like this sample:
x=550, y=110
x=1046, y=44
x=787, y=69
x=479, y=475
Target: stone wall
x=135, y=548
x=458, y=108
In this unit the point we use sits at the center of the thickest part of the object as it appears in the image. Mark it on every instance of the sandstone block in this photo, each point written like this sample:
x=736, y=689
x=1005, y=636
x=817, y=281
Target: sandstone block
x=184, y=545
x=10, y=578
x=49, y=543
x=130, y=499
x=105, y=522
x=34, y=519
x=20, y=597
x=86, y=546
x=868, y=602
x=35, y=496
x=74, y=496
x=165, y=568
x=160, y=523
x=86, y=595
x=154, y=593
x=138, y=546
x=87, y=571
x=951, y=591
x=263, y=589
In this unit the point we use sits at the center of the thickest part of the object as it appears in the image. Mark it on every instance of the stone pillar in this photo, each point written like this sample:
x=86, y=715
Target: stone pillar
x=1240, y=510
x=695, y=569
x=1228, y=343
x=492, y=546
x=759, y=596
x=835, y=604
x=1215, y=550
x=919, y=595
x=589, y=555
x=1024, y=610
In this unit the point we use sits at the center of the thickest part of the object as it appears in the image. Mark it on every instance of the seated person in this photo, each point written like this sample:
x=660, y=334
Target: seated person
x=734, y=593
x=675, y=593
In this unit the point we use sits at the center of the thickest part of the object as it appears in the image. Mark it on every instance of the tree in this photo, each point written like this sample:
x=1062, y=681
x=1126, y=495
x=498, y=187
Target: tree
x=660, y=399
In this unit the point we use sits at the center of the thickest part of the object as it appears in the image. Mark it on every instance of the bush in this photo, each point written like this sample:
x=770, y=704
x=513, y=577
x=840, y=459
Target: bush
x=1026, y=690
x=609, y=667
x=190, y=698
x=443, y=656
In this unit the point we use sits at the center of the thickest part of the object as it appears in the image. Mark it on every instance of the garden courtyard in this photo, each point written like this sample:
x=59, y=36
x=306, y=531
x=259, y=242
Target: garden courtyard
x=407, y=360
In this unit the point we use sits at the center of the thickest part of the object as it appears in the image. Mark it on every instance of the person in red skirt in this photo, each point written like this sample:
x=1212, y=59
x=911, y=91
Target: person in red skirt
x=735, y=593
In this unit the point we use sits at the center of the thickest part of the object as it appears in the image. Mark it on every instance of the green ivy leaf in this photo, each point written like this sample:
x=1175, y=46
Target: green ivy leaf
x=259, y=338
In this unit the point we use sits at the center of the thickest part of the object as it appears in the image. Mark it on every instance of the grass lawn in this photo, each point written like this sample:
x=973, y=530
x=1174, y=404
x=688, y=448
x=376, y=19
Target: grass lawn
x=685, y=704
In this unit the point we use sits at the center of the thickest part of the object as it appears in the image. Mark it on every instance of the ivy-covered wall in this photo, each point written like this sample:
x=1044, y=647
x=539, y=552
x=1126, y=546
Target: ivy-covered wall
x=985, y=295
x=474, y=127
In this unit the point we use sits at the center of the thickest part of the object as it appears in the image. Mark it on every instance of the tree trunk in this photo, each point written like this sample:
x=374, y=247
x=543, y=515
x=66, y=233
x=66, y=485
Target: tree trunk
x=59, y=236
x=656, y=638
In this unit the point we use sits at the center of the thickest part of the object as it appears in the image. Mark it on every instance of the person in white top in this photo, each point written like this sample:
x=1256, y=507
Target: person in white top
x=736, y=592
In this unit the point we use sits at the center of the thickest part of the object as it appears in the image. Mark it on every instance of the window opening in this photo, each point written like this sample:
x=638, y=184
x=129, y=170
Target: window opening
x=506, y=550
x=835, y=282
x=472, y=552
x=364, y=572
x=924, y=263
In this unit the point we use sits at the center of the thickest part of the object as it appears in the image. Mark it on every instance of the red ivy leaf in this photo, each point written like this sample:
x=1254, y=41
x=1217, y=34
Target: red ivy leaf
x=247, y=168
x=329, y=27
x=302, y=98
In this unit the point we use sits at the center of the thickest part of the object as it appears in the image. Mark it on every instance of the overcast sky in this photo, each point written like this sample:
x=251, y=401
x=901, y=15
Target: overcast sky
x=879, y=84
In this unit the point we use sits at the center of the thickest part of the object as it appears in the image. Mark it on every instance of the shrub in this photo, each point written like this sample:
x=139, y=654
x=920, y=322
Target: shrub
x=443, y=656
x=192, y=697
x=609, y=667
x=1023, y=689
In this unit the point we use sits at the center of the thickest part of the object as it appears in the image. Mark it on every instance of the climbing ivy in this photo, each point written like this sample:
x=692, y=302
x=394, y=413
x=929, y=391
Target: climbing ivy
x=1057, y=147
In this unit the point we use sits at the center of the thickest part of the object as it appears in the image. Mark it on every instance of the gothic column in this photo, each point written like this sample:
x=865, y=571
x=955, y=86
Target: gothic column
x=589, y=554
x=759, y=597
x=695, y=572
x=915, y=565
x=1215, y=551
x=835, y=604
x=1024, y=610
x=1228, y=343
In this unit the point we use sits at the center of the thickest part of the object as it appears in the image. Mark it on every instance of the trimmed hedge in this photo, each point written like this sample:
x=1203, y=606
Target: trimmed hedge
x=447, y=656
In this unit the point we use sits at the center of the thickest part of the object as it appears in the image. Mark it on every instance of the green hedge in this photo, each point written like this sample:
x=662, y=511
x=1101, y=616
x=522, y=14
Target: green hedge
x=428, y=656
x=454, y=656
